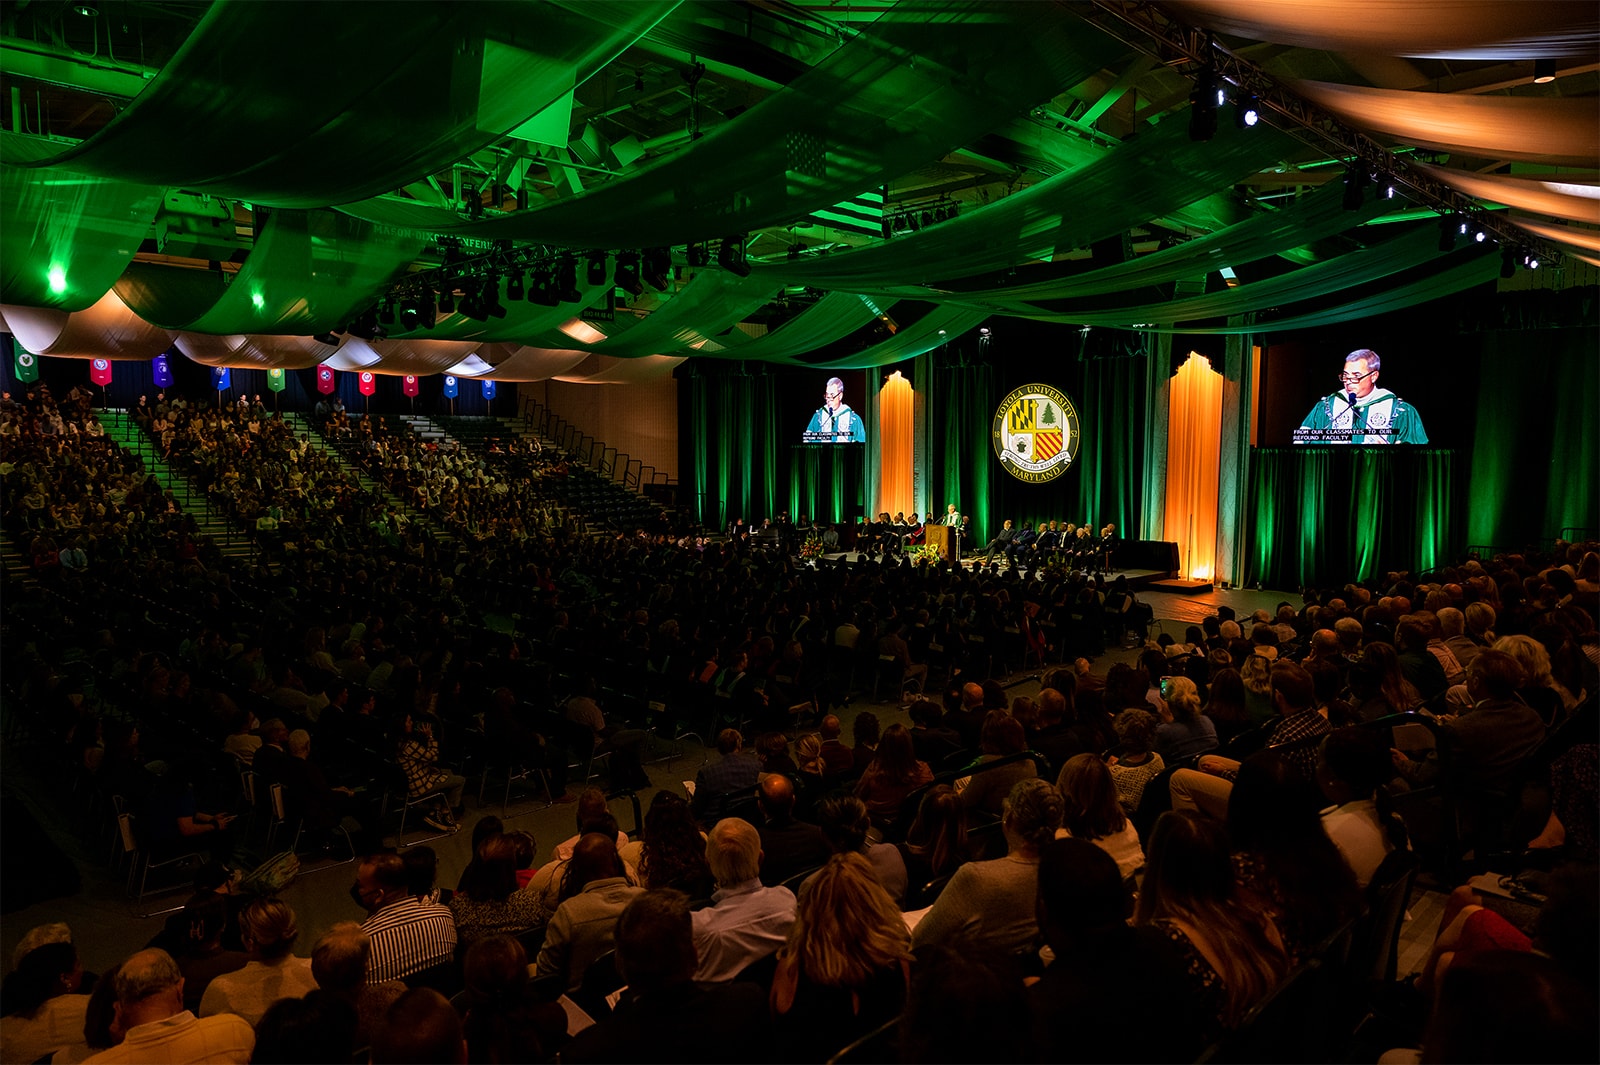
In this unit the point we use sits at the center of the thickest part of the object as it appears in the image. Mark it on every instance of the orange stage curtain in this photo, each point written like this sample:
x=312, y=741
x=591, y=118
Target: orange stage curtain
x=896, y=415
x=1194, y=453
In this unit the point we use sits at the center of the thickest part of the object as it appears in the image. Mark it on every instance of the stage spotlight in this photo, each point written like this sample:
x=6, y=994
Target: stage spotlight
x=410, y=313
x=1355, y=187
x=543, y=290
x=514, y=287
x=565, y=284
x=1387, y=188
x=1480, y=235
x=471, y=304
x=731, y=256
x=428, y=309
x=1203, y=100
x=491, y=298
x=328, y=339
x=597, y=268
x=626, y=276
x=1531, y=261
x=1247, y=112
x=1544, y=71
x=655, y=267
x=1508, y=262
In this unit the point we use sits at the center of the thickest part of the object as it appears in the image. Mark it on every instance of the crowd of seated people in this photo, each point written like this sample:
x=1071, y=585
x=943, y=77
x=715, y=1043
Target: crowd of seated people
x=142, y=671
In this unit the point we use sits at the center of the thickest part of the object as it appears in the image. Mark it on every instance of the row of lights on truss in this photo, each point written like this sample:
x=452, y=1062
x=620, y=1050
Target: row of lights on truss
x=919, y=216
x=472, y=287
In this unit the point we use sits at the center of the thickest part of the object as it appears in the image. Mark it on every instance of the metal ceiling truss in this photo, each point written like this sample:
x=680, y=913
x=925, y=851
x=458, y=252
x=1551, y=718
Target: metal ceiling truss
x=1157, y=33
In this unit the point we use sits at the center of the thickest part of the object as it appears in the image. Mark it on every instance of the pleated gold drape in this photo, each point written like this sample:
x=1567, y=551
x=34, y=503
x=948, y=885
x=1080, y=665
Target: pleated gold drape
x=1194, y=450
x=896, y=418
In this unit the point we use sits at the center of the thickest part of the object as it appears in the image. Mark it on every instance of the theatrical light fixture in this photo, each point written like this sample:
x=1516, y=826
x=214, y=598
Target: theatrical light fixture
x=1386, y=187
x=700, y=254
x=1531, y=261
x=1480, y=235
x=410, y=314
x=1544, y=71
x=597, y=268
x=1355, y=187
x=1247, y=112
x=1203, y=100
x=427, y=309
x=731, y=256
x=447, y=300
x=542, y=290
x=655, y=266
x=565, y=284
x=1447, y=233
x=627, y=274
x=386, y=313
x=491, y=298
x=514, y=288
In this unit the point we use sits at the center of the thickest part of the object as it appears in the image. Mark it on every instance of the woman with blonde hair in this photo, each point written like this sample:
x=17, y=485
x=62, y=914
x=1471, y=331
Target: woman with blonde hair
x=269, y=931
x=1184, y=733
x=1256, y=673
x=846, y=966
x=1541, y=691
x=1235, y=955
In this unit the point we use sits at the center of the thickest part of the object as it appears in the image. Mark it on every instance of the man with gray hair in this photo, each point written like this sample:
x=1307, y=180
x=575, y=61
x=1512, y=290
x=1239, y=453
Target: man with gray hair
x=745, y=922
x=1360, y=412
x=158, y=1030
x=835, y=422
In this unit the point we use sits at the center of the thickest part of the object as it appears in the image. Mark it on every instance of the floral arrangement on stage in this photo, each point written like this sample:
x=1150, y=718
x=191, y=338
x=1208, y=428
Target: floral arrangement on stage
x=812, y=547
x=925, y=555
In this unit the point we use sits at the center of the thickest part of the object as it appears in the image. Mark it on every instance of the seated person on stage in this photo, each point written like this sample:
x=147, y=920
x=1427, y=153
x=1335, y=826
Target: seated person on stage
x=1002, y=540
x=913, y=533
x=1048, y=540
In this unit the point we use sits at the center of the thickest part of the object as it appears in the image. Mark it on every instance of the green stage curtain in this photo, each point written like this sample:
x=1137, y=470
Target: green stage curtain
x=735, y=452
x=961, y=461
x=1334, y=514
x=1533, y=469
x=1110, y=466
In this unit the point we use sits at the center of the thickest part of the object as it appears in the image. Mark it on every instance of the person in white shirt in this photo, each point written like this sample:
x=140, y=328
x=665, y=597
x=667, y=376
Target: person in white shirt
x=1350, y=765
x=746, y=922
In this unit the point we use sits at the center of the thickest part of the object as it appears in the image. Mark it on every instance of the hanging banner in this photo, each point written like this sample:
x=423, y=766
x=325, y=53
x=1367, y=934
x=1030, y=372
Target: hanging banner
x=408, y=384
x=161, y=371
x=100, y=371
x=275, y=380
x=367, y=382
x=24, y=364
x=325, y=379
x=451, y=387
x=222, y=378
x=488, y=390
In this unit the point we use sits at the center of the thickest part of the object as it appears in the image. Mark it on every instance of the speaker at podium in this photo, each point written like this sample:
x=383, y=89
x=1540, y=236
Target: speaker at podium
x=946, y=538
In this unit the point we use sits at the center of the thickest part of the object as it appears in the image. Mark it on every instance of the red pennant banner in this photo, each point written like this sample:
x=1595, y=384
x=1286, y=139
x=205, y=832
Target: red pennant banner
x=100, y=371
x=368, y=382
x=409, y=384
x=325, y=379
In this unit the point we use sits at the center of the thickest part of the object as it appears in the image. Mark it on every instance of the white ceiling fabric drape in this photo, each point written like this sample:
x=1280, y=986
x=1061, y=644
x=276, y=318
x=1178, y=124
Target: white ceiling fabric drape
x=1571, y=200
x=107, y=330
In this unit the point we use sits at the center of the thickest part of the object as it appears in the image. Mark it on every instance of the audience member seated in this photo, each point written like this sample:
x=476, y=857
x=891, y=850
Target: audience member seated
x=964, y=1005
x=788, y=846
x=269, y=931
x=1285, y=864
x=1184, y=732
x=318, y=1027
x=1002, y=737
x=418, y=757
x=936, y=844
x=504, y=1020
x=665, y=1014
x=157, y=1030
x=673, y=851
x=931, y=739
x=1233, y=956
x=594, y=890
x=1351, y=765
x=421, y=1028
x=488, y=902
x=893, y=775
x=1136, y=763
x=200, y=954
x=45, y=1014
x=545, y=884
x=407, y=934
x=733, y=774
x=846, y=966
x=1489, y=742
x=746, y=921
x=846, y=827
x=837, y=759
x=1082, y=1008
x=339, y=963
x=1091, y=812
x=967, y=717
x=867, y=731
x=995, y=900
x=592, y=806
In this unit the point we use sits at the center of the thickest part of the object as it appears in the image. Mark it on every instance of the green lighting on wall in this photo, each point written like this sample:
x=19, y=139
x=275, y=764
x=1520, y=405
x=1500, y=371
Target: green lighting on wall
x=58, y=279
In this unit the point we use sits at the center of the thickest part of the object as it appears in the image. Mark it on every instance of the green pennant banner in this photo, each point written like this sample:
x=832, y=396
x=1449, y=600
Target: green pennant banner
x=24, y=364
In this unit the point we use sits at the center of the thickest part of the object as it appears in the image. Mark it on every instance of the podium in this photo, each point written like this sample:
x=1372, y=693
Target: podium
x=946, y=539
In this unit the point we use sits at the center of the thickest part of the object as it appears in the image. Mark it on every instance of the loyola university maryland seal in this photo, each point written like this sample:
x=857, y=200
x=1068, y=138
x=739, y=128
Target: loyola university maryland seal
x=1035, y=433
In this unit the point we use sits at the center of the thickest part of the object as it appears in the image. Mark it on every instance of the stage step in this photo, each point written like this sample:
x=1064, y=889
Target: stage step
x=1182, y=587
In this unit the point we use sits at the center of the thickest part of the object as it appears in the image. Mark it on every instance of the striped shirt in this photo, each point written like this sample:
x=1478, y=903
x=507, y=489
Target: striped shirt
x=407, y=937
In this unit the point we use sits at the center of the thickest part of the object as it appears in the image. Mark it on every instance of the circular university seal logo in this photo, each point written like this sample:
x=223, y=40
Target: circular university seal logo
x=1035, y=433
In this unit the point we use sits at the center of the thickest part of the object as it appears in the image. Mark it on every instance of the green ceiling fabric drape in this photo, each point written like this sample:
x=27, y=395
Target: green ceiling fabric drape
x=1396, y=256
x=1554, y=130
x=938, y=326
x=1438, y=29
x=64, y=238
x=1270, y=232
x=1147, y=176
x=710, y=303
x=909, y=89
x=409, y=89
x=308, y=272
x=833, y=317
